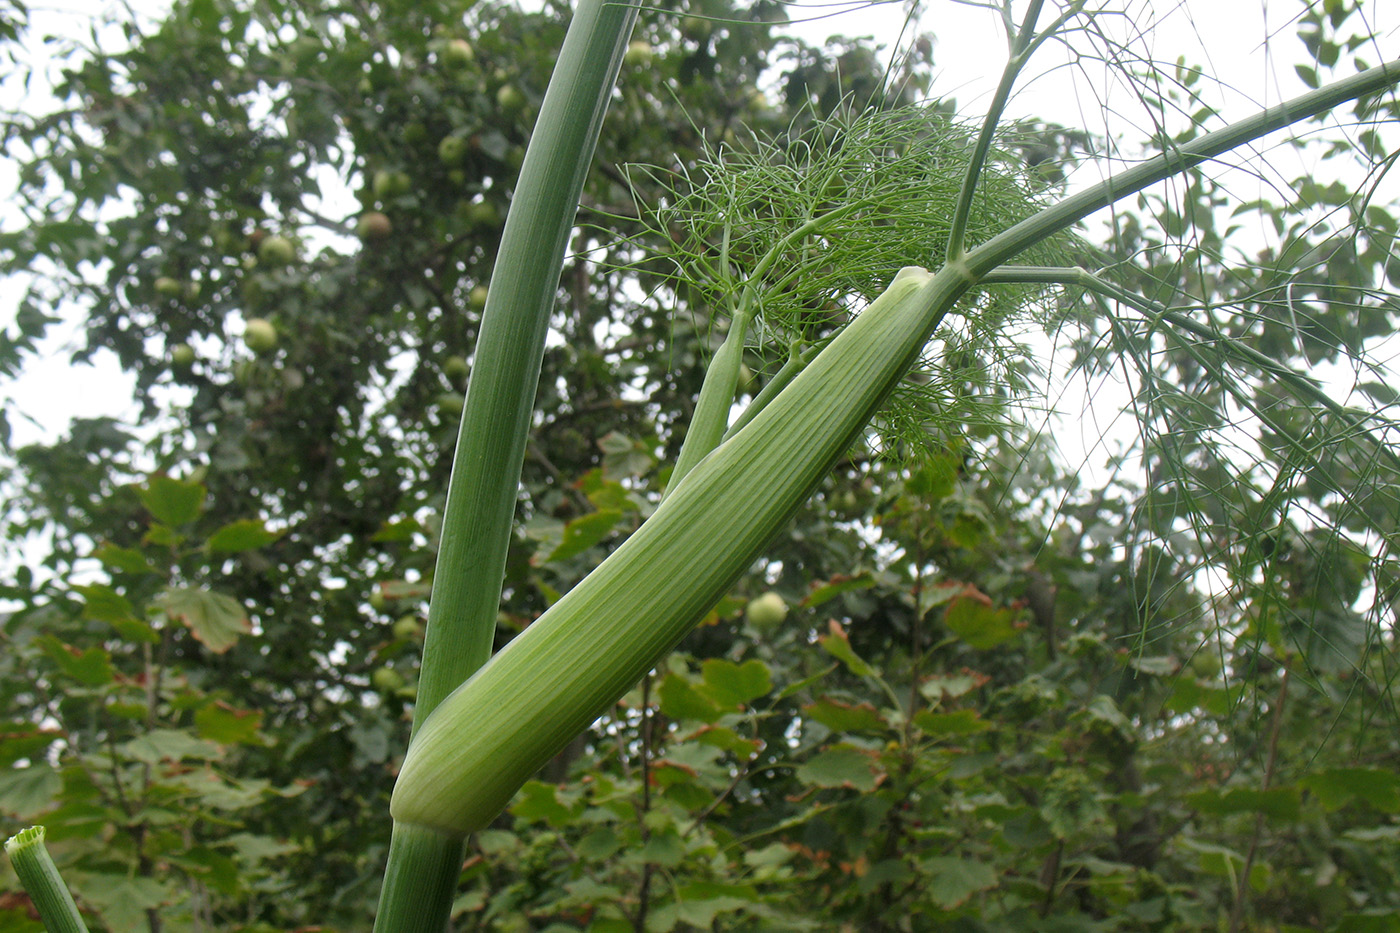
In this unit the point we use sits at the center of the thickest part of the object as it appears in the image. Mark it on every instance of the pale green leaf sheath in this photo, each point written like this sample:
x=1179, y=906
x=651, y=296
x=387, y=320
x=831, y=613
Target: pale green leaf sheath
x=566, y=669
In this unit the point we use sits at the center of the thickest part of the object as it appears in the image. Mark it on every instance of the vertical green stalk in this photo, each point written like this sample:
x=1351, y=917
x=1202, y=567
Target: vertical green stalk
x=1024, y=44
x=41, y=880
x=711, y=416
x=424, y=864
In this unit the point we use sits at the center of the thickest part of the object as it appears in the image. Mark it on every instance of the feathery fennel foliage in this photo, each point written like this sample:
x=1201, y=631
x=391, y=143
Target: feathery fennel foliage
x=790, y=237
x=1267, y=489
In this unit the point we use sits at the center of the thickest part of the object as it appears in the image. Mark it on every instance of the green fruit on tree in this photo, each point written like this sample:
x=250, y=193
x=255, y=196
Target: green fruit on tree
x=452, y=150
x=477, y=298
x=259, y=335
x=170, y=288
x=451, y=403
x=639, y=54
x=182, y=356
x=377, y=600
x=510, y=98
x=458, y=53
x=766, y=612
x=389, y=184
x=482, y=214
x=414, y=133
x=456, y=370
x=408, y=628
x=374, y=227
x=386, y=679
x=276, y=251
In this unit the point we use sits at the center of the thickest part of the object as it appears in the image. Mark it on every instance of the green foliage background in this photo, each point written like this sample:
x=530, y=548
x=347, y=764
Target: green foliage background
x=1001, y=700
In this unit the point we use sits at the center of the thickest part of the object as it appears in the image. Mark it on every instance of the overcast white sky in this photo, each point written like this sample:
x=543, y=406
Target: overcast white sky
x=1231, y=38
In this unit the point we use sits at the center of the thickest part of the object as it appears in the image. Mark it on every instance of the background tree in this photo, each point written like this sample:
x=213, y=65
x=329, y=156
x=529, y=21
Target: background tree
x=999, y=699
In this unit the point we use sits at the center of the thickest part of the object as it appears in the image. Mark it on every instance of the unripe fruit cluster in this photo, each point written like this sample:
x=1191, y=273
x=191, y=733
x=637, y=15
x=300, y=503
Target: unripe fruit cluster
x=276, y=251
x=259, y=335
x=766, y=612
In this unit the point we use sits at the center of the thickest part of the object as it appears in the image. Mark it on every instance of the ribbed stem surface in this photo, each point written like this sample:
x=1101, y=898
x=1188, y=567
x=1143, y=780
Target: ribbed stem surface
x=592, y=646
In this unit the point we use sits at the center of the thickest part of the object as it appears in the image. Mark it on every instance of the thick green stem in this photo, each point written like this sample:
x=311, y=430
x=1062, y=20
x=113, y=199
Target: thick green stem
x=593, y=645
x=795, y=361
x=711, y=416
x=41, y=880
x=1060, y=216
x=423, y=865
x=711, y=419
x=1020, y=54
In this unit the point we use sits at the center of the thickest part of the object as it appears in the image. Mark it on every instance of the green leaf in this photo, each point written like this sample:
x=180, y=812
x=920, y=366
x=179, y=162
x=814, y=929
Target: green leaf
x=253, y=848
x=582, y=533
x=834, y=587
x=935, y=688
x=173, y=502
x=697, y=913
x=91, y=668
x=123, y=560
x=27, y=792
x=838, y=645
x=226, y=793
x=664, y=848
x=727, y=739
x=219, y=722
x=624, y=457
x=680, y=700
x=936, y=479
x=732, y=685
x=846, y=717
x=798, y=686
x=162, y=536
x=539, y=802
x=105, y=604
x=246, y=534
x=20, y=739
x=1277, y=803
x=1336, y=787
x=959, y=722
x=1380, y=392
x=169, y=745
x=1378, y=921
x=599, y=845
x=951, y=881
x=605, y=494
x=397, y=531
x=123, y=900
x=214, y=619
x=972, y=618
x=842, y=766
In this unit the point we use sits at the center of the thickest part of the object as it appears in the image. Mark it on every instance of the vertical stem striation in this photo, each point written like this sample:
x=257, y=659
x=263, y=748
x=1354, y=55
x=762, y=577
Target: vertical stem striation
x=424, y=864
